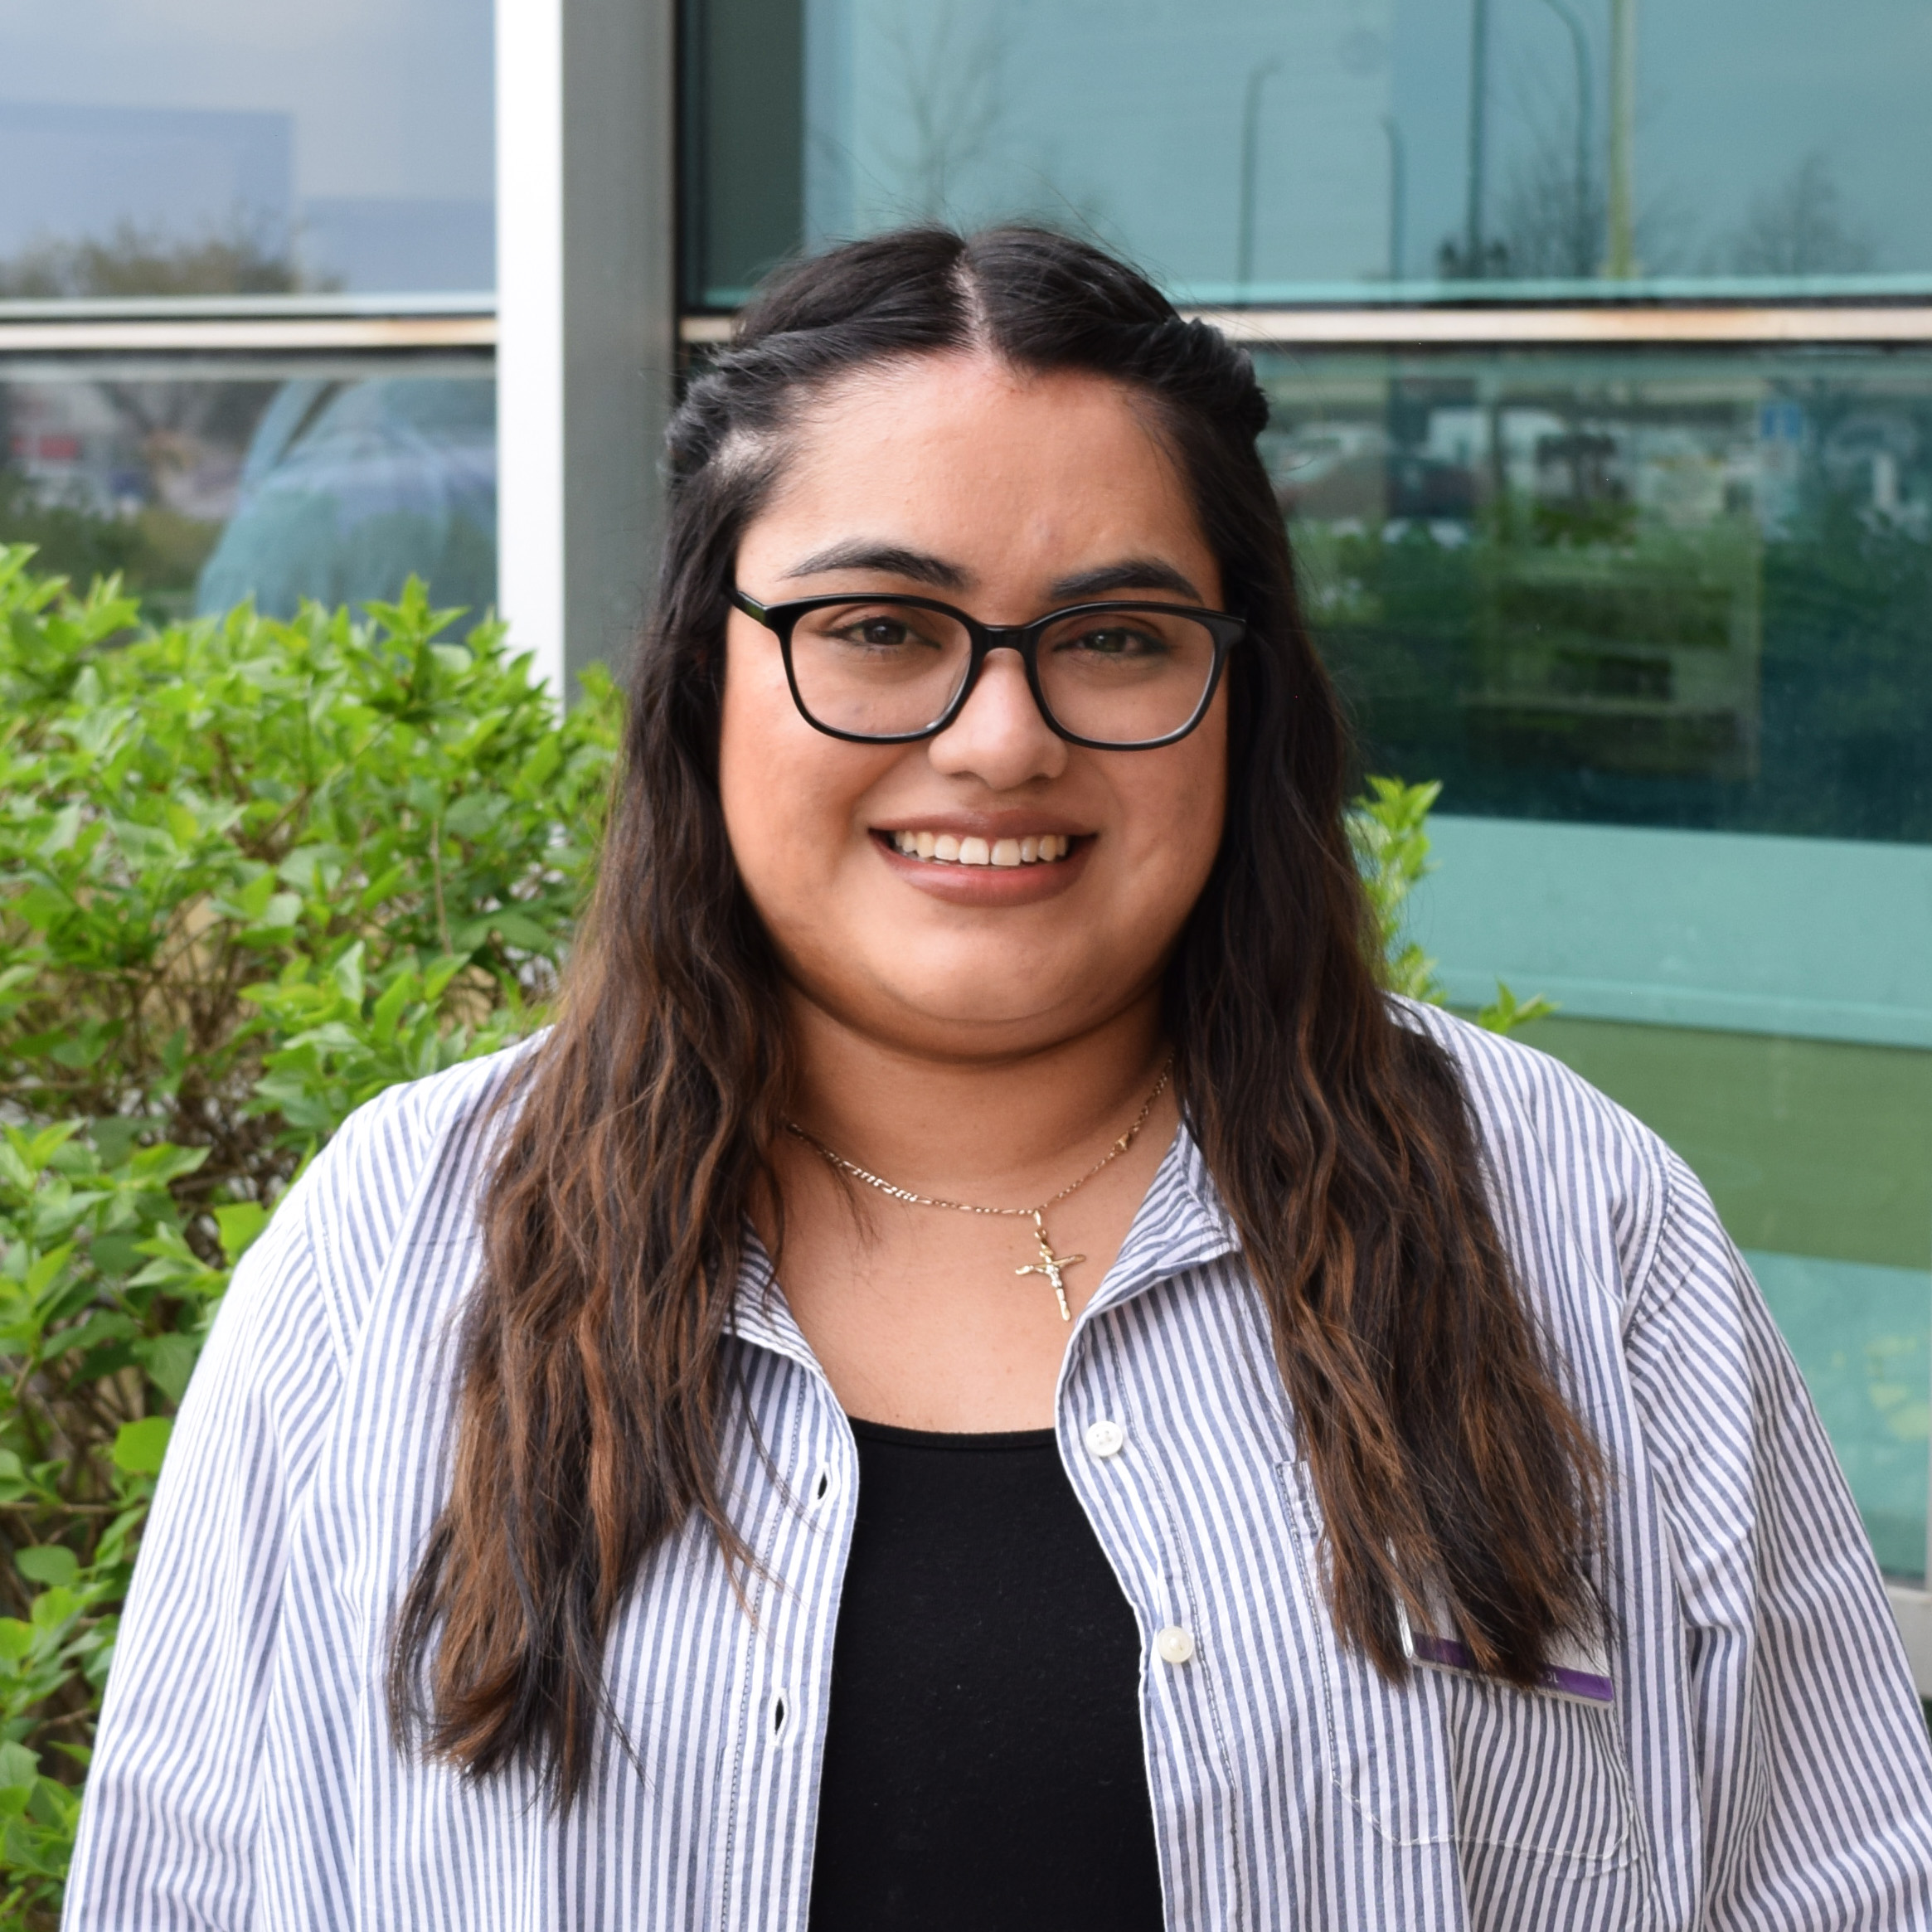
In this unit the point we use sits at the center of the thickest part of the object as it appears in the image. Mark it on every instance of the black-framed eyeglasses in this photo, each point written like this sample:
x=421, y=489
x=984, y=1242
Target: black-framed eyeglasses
x=1116, y=676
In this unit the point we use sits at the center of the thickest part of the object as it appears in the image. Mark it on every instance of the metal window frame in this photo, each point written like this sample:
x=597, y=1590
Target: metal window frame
x=586, y=335
x=1480, y=326
x=87, y=332
x=583, y=324
x=1606, y=325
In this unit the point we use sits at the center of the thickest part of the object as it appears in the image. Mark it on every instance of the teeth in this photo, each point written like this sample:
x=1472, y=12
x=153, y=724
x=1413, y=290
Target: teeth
x=1041, y=850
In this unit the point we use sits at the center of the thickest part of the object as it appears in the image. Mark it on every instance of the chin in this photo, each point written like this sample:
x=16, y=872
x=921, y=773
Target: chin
x=971, y=1004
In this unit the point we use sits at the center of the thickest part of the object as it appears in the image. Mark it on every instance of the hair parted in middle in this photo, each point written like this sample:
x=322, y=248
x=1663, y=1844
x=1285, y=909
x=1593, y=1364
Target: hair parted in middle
x=595, y=1374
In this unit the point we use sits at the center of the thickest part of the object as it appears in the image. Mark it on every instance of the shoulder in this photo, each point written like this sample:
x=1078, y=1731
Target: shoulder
x=1567, y=1163
x=335, y=1236
x=380, y=1156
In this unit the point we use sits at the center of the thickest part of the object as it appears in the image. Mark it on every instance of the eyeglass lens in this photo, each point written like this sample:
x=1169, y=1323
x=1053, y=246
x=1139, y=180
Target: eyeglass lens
x=1122, y=675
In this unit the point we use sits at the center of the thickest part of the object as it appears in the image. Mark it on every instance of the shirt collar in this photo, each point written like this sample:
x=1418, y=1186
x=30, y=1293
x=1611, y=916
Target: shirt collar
x=760, y=1314
x=1181, y=1223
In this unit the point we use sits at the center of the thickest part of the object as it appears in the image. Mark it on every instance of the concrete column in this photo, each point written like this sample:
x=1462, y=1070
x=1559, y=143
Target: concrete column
x=587, y=305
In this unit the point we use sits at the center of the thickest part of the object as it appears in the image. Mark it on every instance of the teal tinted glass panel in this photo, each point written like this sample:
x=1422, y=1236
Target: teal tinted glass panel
x=188, y=147
x=275, y=479
x=1644, y=588
x=1247, y=151
x=1657, y=622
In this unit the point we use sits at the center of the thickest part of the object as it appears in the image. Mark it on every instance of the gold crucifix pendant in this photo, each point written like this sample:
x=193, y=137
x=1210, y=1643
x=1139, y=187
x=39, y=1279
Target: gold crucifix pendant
x=1050, y=1264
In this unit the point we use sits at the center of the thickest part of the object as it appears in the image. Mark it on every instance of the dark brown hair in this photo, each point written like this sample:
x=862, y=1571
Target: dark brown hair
x=595, y=1384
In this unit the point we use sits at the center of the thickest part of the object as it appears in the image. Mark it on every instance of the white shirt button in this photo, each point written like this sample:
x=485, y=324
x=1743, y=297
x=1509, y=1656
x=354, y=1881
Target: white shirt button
x=1173, y=1645
x=1105, y=1438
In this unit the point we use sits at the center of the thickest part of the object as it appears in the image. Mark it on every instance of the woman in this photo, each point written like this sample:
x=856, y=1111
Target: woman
x=982, y=1375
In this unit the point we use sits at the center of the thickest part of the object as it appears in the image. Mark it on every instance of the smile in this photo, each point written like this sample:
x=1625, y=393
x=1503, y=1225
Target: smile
x=944, y=849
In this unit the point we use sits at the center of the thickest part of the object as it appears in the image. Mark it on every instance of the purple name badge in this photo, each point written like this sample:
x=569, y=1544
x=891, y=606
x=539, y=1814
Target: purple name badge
x=1579, y=1674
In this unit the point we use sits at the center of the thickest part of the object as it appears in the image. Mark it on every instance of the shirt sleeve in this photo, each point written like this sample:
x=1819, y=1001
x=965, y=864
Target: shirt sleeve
x=1813, y=1767
x=167, y=1823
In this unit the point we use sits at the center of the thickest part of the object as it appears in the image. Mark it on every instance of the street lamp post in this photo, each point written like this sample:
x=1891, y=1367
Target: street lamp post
x=1478, y=135
x=1250, y=145
x=1580, y=45
x=1620, y=257
x=1398, y=198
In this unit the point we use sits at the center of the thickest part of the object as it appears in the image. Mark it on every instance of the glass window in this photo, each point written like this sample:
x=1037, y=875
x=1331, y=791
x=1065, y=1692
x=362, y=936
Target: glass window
x=181, y=146
x=276, y=478
x=1244, y=151
x=1658, y=621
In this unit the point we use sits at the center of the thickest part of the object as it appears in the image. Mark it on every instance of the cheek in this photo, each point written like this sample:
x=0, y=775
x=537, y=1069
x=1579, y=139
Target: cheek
x=748, y=741
x=773, y=798
x=1177, y=815
x=789, y=794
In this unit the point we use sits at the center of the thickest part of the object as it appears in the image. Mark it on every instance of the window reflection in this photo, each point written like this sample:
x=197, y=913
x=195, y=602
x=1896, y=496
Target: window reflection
x=350, y=485
x=277, y=481
x=1643, y=588
x=1658, y=621
x=1245, y=152
x=194, y=147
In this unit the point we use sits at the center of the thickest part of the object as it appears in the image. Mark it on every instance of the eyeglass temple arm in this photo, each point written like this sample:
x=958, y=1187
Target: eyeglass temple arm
x=750, y=605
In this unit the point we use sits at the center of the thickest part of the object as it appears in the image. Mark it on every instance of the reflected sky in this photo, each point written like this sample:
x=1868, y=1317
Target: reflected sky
x=1247, y=146
x=363, y=126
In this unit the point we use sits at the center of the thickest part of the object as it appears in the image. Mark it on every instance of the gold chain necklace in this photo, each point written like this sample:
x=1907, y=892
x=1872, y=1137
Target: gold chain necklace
x=1049, y=1264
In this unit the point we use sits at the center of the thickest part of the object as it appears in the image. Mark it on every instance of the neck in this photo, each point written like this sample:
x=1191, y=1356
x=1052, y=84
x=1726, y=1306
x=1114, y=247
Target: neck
x=1000, y=1130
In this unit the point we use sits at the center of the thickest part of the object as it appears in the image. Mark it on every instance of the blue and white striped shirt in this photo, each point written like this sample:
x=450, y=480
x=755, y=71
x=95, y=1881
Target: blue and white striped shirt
x=1763, y=1763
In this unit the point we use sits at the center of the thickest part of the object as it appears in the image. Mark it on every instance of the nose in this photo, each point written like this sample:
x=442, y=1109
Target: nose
x=999, y=736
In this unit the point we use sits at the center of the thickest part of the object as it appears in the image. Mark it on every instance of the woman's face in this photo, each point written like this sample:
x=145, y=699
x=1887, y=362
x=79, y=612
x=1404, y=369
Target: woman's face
x=1008, y=495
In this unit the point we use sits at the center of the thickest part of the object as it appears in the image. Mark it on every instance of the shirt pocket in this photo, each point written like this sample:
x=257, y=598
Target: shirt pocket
x=1538, y=1773
x=1449, y=1755
x=1383, y=1744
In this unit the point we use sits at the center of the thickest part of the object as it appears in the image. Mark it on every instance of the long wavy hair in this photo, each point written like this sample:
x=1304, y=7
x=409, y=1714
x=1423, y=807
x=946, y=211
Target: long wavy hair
x=596, y=1387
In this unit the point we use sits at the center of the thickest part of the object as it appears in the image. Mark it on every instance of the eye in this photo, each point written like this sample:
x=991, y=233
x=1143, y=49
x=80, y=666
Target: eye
x=1116, y=640
x=880, y=630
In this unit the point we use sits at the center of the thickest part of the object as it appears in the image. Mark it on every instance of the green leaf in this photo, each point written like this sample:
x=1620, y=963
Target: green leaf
x=158, y=1165
x=18, y=1765
x=239, y=1223
x=140, y=1446
x=1506, y=1012
x=43, y=1273
x=52, y=1607
x=347, y=972
x=284, y=909
x=169, y=1361
x=51, y=1563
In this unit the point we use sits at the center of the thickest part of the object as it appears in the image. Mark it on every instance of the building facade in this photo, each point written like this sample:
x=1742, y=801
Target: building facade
x=1599, y=347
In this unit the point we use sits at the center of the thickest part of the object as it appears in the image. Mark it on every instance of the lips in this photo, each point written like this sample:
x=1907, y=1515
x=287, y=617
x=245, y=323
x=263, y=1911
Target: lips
x=988, y=863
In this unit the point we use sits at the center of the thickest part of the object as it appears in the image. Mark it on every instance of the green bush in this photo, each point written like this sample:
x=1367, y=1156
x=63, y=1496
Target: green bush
x=251, y=873
x=1390, y=830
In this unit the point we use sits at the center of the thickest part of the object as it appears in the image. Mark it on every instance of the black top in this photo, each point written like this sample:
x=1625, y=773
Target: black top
x=984, y=1770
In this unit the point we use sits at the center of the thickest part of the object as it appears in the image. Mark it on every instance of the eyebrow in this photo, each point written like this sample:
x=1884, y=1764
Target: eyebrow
x=1134, y=573
x=889, y=558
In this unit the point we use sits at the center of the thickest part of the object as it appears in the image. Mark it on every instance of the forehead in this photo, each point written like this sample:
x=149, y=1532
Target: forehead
x=966, y=454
